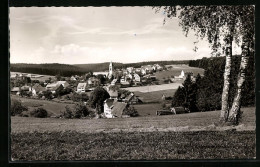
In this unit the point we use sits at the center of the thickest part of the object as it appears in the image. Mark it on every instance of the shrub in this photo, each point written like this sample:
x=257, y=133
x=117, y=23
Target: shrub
x=79, y=97
x=78, y=111
x=47, y=94
x=67, y=113
x=39, y=113
x=17, y=107
x=131, y=111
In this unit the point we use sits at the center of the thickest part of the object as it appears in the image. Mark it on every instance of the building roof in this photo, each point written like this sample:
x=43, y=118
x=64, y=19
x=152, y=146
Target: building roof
x=125, y=83
x=25, y=88
x=81, y=85
x=112, y=93
x=51, y=85
x=129, y=97
x=118, y=108
x=37, y=87
x=56, y=87
x=114, y=81
x=15, y=89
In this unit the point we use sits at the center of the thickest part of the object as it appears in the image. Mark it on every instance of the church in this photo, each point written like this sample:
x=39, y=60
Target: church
x=110, y=71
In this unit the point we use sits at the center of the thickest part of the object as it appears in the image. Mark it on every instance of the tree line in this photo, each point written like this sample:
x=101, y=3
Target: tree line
x=47, y=69
x=205, y=93
x=66, y=70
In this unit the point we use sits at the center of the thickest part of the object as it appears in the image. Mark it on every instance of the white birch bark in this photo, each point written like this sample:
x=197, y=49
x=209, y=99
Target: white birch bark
x=225, y=92
x=233, y=115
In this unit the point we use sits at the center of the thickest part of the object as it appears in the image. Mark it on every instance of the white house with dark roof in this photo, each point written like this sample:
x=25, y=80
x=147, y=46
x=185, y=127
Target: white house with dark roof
x=137, y=78
x=81, y=87
x=113, y=108
x=37, y=88
x=114, y=82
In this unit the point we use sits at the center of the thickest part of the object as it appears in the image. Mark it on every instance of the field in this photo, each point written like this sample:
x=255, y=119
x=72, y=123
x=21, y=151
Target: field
x=154, y=96
x=53, y=108
x=181, y=122
x=176, y=70
x=133, y=145
x=152, y=88
x=41, y=79
x=184, y=136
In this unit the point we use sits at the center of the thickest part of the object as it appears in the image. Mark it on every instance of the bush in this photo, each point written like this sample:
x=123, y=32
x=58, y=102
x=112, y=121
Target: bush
x=17, y=107
x=131, y=111
x=79, y=97
x=39, y=113
x=78, y=111
x=67, y=113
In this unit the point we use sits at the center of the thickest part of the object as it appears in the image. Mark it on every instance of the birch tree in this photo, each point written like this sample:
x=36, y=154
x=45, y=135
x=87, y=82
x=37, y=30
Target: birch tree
x=247, y=32
x=221, y=26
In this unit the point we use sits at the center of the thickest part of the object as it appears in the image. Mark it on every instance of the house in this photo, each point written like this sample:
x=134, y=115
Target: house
x=15, y=90
x=130, y=69
x=125, y=71
x=65, y=84
x=93, y=81
x=105, y=74
x=130, y=76
x=137, y=78
x=81, y=87
x=113, y=94
x=125, y=84
x=56, y=88
x=114, y=82
x=72, y=78
x=157, y=67
x=26, y=88
x=153, y=77
x=143, y=71
x=113, y=108
x=179, y=110
x=181, y=76
x=37, y=88
x=132, y=99
x=51, y=85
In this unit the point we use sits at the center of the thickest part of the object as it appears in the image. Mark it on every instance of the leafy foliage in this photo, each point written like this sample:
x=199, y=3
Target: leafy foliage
x=211, y=85
x=82, y=97
x=17, y=107
x=39, y=113
x=97, y=98
x=78, y=111
x=131, y=111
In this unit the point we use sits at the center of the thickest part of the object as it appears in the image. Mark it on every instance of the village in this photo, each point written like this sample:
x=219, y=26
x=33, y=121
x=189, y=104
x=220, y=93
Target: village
x=113, y=81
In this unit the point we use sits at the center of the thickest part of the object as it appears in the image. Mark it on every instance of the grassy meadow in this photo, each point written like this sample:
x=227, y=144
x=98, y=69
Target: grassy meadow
x=179, y=122
x=133, y=145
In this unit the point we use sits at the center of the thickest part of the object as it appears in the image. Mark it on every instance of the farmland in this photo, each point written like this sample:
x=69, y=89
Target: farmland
x=181, y=122
x=153, y=88
x=53, y=108
x=133, y=145
x=41, y=78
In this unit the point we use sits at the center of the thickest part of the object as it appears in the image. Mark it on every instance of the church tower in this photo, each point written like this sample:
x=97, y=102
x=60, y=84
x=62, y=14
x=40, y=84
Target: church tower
x=110, y=73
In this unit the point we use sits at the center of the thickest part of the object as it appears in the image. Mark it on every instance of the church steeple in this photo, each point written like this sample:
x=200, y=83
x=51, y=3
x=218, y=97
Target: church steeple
x=110, y=69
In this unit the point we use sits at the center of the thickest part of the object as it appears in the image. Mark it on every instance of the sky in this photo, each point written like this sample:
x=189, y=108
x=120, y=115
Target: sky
x=83, y=35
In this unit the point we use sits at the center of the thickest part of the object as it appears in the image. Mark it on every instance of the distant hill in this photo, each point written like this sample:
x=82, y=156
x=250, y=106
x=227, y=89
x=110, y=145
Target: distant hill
x=104, y=66
x=47, y=69
x=67, y=70
x=98, y=66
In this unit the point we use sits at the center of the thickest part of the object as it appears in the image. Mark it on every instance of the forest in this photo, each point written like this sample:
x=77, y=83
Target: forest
x=205, y=93
x=79, y=69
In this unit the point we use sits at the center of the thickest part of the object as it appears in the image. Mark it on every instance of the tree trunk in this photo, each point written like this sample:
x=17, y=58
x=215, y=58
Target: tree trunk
x=235, y=110
x=225, y=92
